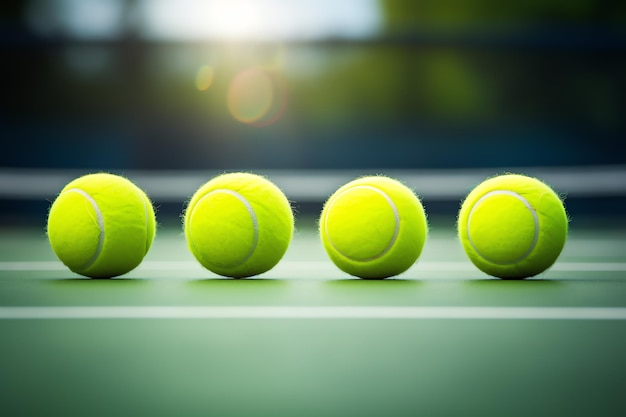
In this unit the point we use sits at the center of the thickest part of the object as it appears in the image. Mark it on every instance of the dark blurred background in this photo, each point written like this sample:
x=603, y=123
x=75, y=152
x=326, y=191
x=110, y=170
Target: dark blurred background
x=427, y=89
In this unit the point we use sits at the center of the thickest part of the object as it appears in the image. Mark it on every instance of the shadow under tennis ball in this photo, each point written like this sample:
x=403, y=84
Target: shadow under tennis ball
x=97, y=281
x=528, y=282
x=372, y=283
x=234, y=282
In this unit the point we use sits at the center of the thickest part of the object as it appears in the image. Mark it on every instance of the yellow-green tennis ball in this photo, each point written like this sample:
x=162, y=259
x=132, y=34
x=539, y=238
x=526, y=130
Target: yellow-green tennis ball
x=373, y=227
x=512, y=226
x=238, y=225
x=101, y=225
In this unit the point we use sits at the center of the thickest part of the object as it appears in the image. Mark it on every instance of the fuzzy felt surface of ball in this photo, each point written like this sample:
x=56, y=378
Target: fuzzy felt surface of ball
x=239, y=224
x=512, y=226
x=101, y=225
x=373, y=227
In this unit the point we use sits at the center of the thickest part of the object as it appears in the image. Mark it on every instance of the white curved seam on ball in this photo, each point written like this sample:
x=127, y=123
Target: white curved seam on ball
x=99, y=220
x=533, y=212
x=253, y=217
x=396, y=230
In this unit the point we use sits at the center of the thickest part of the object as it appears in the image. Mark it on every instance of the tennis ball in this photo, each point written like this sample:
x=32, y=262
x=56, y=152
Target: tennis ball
x=373, y=227
x=238, y=225
x=512, y=226
x=101, y=225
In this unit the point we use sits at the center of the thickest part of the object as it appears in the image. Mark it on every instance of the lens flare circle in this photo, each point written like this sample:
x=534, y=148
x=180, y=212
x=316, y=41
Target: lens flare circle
x=204, y=77
x=257, y=97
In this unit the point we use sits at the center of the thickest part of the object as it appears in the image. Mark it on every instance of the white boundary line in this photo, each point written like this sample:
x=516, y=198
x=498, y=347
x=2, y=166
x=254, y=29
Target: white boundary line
x=433, y=266
x=265, y=312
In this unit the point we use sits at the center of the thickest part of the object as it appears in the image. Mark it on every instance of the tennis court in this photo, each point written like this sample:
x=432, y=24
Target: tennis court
x=170, y=338
x=312, y=94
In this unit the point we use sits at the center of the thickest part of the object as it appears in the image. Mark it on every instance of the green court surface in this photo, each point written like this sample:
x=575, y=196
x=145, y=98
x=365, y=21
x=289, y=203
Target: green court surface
x=172, y=339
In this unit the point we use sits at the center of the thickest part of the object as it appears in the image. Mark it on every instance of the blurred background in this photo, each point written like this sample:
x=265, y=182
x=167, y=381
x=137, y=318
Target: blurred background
x=312, y=93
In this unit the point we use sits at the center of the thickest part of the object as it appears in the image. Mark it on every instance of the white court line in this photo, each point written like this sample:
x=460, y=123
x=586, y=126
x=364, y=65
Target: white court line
x=433, y=266
x=261, y=312
x=589, y=266
x=32, y=266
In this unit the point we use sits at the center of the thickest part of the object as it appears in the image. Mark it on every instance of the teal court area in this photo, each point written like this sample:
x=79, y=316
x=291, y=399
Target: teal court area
x=171, y=338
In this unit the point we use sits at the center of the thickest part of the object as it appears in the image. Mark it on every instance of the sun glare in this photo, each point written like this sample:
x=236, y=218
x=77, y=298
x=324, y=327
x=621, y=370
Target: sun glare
x=219, y=20
x=258, y=19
